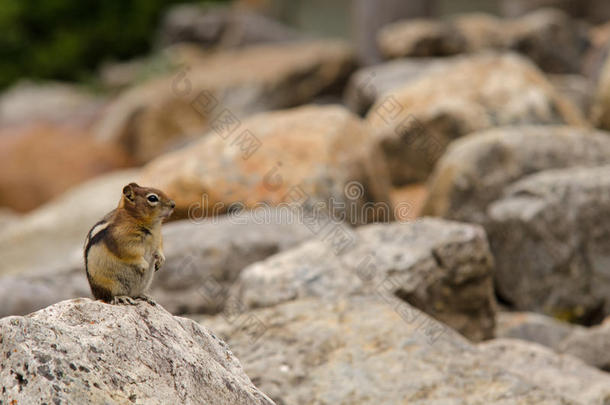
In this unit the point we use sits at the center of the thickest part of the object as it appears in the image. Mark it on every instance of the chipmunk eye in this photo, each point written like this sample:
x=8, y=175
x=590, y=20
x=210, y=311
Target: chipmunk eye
x=152, y=198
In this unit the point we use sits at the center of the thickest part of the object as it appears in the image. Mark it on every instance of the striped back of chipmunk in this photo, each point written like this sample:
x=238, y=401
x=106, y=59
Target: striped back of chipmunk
x=95, y=235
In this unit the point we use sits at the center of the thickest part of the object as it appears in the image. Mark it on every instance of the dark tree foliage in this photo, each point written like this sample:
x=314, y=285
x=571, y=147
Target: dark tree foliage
x=65, y=39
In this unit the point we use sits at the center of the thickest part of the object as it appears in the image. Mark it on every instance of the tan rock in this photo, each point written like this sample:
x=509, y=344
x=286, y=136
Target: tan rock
x=155, y=116
x=476, y=169
x=43, y=161
x=551, y=38
x=415, y=123
x=274, y=158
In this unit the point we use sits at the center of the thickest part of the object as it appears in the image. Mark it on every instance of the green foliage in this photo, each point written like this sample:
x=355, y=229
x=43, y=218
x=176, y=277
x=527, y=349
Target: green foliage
x=65, y=39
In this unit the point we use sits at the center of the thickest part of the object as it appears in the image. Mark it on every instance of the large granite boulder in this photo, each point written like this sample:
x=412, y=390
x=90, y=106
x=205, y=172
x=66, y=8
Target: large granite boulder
x=549, y=239
x=372, y=351
x=443, y=268
x=476, y=169
x=321, y=154
x=84, y=351
x=221, y=89
x=415, y=123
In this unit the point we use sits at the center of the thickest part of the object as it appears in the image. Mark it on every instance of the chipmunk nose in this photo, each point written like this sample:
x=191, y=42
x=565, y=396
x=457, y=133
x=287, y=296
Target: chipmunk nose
x=172, y=204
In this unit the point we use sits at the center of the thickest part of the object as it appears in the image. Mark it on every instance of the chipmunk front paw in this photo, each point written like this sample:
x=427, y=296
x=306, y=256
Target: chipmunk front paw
x=159, y=260
x=148, y=299
x=122, y=299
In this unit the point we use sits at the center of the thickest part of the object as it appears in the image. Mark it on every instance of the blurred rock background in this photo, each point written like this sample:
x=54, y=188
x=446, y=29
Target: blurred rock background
x=450, y=161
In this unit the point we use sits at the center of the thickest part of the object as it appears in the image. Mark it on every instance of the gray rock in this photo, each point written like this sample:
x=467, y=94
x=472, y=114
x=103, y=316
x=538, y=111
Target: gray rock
x=365, y=350
x=532, y=327
x=561, y=374
x=477, y=168
x=21, y=294
x=549, y=239
x=592, y=345
x=55, y=102
x=221, y=27
x=443, y=268
x=415, y=123
x=204, y=259
x=83, y=351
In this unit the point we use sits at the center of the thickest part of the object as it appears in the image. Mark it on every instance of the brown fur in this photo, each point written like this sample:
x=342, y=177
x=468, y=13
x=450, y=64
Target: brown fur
x=124, y=249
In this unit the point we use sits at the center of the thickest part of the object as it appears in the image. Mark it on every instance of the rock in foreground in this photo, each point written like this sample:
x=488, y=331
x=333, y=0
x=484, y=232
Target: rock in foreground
x=443, y=268
x=84, y=351
x=367, y=351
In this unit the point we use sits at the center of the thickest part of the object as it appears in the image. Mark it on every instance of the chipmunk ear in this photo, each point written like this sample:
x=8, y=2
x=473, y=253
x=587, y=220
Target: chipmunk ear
x=129, y=192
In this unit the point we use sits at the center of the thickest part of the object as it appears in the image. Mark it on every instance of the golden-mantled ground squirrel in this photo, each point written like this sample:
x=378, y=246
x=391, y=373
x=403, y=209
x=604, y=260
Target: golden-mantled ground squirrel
x=124, y=249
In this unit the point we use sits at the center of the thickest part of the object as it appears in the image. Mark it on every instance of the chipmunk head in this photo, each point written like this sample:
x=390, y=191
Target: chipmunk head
x=145, y=203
